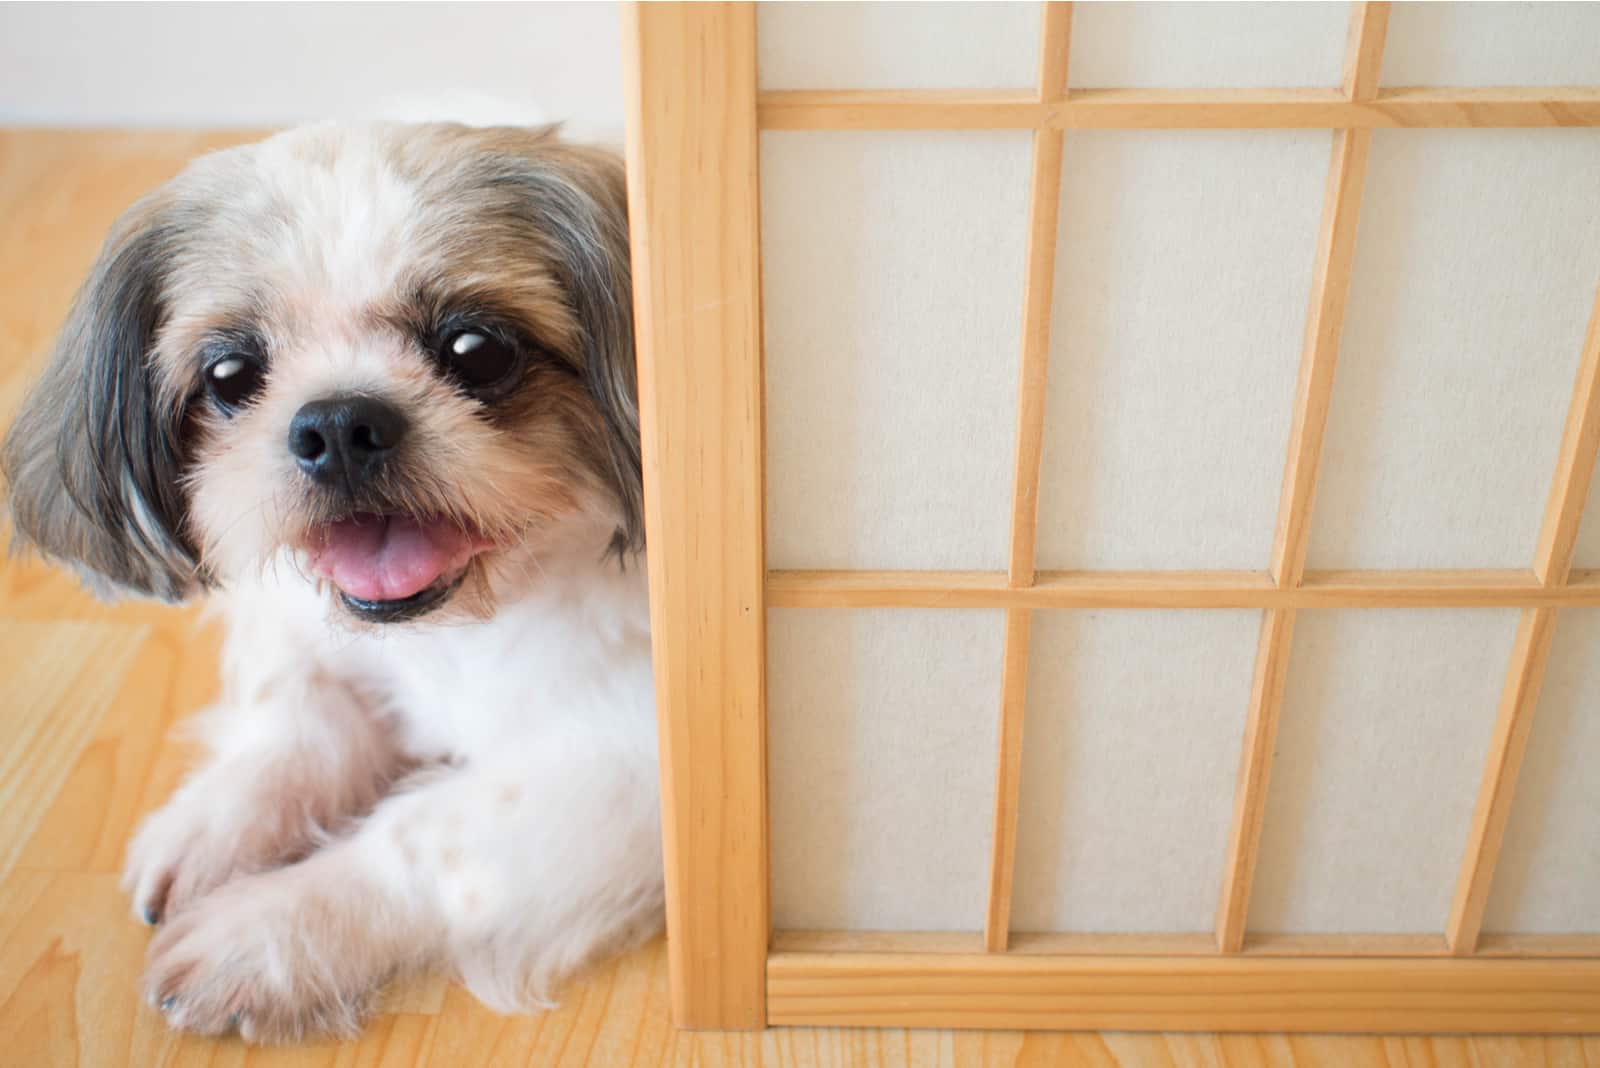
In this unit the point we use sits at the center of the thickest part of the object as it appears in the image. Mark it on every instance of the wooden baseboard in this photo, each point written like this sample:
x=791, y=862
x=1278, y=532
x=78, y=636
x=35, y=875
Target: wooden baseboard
x=1233, y=994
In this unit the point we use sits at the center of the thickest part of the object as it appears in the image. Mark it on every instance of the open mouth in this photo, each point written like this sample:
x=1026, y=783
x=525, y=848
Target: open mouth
x=391, y=568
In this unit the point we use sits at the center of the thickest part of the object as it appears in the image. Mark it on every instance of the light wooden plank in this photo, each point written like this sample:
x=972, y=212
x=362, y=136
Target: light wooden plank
x=1472, y=588
x=1530, y=653
x=61, y=678
x=693, y=201
x=1044, y=199
x=120, y=775
x=1179, y=109
x=1390, y=995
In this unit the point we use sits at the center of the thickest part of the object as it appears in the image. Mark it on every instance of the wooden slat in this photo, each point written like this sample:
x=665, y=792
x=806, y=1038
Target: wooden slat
x=1008, y=780
x=1488, y=588
x=1363, y=53
x=1044, y=198
x=1330, y=287
x=692, y=198
x=1238, y=993
x=1569, y=489
x=1254, y=777
x=1569, y=946
x=1178, y=109
x=1195, y=944
x=901, y=109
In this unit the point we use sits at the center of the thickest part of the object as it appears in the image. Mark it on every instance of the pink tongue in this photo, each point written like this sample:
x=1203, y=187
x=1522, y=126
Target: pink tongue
x=388, y=558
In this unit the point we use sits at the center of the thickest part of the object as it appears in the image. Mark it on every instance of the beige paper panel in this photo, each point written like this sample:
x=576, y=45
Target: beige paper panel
x=1131, y=747
x=881, y=766
x=1493, y=44
x=1186, y=45
x=1385, y=726
x=1548, y=879
x=1184, y=269
x=1475, y=271
x=897, y=46
x=892, y=289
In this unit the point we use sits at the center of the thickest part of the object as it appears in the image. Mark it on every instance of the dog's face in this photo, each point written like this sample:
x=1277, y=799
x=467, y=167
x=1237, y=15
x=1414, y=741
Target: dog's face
x=398, y=356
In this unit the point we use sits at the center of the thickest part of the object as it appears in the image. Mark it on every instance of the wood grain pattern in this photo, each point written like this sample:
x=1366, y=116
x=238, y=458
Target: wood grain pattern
x=1177, y=109
x=70, y=956
x=74, y=670
x=692, y=201
x=1044, y=200
x=1375, y=995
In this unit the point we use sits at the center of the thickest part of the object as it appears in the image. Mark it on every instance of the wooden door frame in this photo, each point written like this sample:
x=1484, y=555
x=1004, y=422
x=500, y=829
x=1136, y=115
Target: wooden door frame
x=694, y=116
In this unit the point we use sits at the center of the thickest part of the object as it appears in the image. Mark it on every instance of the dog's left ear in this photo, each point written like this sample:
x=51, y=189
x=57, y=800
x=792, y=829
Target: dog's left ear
x=93, y=462
x=579, y=197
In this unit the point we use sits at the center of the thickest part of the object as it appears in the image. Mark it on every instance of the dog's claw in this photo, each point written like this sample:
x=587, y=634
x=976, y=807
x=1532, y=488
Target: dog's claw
x=151, y=916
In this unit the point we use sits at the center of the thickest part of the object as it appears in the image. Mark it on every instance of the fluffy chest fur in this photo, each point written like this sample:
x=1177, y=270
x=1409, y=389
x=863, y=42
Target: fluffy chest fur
x=570, y=652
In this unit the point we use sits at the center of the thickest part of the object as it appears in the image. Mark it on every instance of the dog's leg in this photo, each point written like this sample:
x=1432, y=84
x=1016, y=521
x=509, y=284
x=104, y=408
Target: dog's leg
x=514, y=871
x=286, y=769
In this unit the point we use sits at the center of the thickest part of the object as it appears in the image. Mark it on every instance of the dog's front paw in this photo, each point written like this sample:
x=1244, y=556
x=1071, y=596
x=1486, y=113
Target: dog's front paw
x=269, y=956
x=224, y=823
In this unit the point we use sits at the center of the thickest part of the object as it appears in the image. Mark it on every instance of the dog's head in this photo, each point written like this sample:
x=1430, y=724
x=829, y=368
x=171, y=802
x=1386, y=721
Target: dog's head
x=398, y=356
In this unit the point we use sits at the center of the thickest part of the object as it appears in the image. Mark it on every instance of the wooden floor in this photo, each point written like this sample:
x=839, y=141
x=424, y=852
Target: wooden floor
x=89, y=697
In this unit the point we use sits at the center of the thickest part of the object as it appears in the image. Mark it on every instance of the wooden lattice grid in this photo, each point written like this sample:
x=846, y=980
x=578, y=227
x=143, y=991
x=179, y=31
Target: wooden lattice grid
x=695, y=113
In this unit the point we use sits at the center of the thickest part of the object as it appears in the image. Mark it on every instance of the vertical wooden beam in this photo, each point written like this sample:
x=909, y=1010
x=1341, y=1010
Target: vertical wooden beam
x=693, y=203
x=1044, y=199
x=1363, y=53
x=1330, y=288
x=1530, y=653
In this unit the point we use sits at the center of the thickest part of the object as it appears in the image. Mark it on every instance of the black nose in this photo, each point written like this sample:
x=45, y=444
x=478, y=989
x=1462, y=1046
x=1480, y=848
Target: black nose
x=345, y=440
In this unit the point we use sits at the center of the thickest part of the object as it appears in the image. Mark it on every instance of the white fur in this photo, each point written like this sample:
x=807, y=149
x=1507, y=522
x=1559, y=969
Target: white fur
x=531, y=845
x=476, y=791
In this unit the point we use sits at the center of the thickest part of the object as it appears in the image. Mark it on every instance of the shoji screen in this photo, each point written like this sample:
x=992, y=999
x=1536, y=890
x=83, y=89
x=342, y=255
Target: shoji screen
x=1160, y=439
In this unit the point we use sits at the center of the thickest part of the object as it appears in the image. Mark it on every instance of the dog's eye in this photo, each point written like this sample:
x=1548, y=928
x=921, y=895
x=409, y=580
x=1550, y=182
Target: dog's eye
x=233, y=380
x=478, y=358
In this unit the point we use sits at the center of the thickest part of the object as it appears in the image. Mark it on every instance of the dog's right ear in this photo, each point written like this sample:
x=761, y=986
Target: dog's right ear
x=93, y=463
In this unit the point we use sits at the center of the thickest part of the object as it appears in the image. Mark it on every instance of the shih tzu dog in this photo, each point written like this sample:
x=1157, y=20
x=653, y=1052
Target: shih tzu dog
x=370, y=388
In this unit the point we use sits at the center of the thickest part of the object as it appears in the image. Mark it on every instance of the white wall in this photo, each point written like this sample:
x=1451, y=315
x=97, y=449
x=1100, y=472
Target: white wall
x=251, y=64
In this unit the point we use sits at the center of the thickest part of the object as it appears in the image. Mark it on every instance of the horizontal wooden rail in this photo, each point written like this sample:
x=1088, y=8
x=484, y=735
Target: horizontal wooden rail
x=1175, y=109
x=1233, y=993
x=1179, y=944
x=1487, y=588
